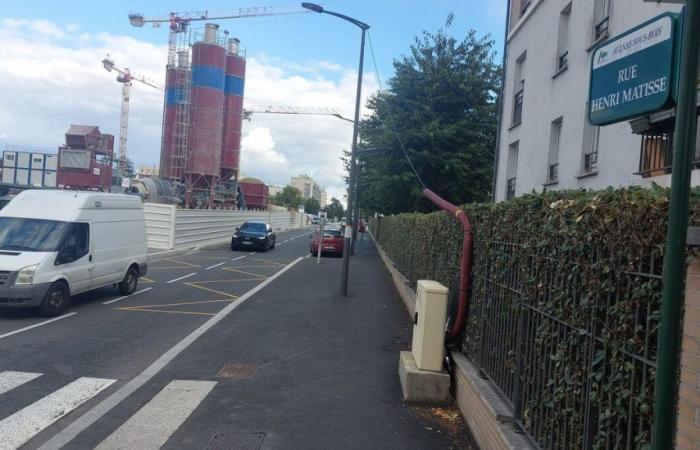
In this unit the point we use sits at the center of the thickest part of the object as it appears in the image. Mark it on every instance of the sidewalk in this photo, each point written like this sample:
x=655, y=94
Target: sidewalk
x=312, y=369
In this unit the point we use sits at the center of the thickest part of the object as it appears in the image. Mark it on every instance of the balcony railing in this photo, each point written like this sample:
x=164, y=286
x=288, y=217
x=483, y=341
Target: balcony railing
x=553, y=173
x=518, y=107
x=590, y=162
x=563, y=61
x=601, y=28
x=656, y=154
x=510, y=188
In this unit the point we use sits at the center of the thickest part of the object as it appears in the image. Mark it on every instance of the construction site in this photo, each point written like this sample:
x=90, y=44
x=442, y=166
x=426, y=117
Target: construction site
x=203, y=114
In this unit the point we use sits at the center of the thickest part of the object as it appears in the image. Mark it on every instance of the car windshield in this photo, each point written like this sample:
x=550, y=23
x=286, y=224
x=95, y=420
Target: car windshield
x=251, y=226
x=30, y=234
x=331, y=233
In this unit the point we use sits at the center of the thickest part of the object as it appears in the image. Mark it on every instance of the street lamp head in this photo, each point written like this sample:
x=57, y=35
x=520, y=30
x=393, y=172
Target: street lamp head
x=312, y=7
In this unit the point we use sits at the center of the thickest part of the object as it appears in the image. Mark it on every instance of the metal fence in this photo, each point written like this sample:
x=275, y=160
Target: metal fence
x=569, y=342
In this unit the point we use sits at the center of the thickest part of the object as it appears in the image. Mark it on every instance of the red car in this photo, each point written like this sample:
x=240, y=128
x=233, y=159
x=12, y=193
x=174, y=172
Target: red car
x=332, y=242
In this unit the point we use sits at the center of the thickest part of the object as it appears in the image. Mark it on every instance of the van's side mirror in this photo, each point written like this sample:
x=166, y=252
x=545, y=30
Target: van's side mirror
x=237, y=229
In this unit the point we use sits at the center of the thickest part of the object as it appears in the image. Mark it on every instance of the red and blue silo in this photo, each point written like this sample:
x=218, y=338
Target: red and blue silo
x=206, y=114
x=203, y=116
x=233, y=111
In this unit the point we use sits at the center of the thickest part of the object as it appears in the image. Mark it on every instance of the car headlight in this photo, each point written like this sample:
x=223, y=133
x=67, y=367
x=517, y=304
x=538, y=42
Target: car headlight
x=261, y=237
x=26, y=275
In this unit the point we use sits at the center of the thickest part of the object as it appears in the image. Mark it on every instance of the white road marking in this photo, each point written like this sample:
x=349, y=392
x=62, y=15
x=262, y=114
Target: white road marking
x=215, y=265
x=93, y=415
x=46, y=322
x=251, y=253
x=109, y=302
x=152, y=425
x=240, y=257
x=10, y=380
x=20, y=427
x=181, y=278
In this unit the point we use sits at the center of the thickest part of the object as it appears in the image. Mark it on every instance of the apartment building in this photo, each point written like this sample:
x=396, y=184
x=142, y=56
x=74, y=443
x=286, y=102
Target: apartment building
x=308, y=187
x=546, y=141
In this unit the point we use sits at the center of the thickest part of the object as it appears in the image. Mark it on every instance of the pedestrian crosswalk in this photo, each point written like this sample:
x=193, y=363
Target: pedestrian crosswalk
x=149, y=428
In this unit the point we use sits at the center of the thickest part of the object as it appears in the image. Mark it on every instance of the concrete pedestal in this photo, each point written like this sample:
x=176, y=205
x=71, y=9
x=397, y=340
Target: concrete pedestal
x=422, y=386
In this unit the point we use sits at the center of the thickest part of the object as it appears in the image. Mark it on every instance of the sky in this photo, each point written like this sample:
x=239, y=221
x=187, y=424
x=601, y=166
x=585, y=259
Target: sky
x=51, y=75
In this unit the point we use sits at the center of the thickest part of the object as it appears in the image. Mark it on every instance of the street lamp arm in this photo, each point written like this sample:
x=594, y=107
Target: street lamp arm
x=343, y=118
x=362, y=25
x=320, y=9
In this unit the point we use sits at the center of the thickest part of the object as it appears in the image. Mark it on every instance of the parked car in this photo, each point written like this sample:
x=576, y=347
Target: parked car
x=332, y=242
x=254, y=235
x=55, y=244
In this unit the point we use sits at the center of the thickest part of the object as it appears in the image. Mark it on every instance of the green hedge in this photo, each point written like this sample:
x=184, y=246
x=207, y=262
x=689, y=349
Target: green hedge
x=565, y=301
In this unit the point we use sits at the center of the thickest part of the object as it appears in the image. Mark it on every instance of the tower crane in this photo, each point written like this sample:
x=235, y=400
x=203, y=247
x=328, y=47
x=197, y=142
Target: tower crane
x=125, y=77
x=178, y=22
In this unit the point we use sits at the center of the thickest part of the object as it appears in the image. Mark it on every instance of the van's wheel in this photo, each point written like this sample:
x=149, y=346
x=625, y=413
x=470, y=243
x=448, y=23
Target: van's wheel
x=55, y=301
x=266, y=245
x=274, y=241
x=128, y=285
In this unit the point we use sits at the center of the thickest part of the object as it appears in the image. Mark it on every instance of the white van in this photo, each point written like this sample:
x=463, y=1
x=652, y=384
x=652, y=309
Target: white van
x=54, y=244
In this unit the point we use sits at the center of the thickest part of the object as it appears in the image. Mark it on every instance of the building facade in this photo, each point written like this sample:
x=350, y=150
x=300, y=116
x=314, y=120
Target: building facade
x=545, y=139
x=308, y=187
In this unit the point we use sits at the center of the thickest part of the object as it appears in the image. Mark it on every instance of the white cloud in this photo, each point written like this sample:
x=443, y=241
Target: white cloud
x=52, y=76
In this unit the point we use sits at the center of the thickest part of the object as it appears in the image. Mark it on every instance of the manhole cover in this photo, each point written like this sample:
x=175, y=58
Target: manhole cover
x=237, y=370
x=236, y=441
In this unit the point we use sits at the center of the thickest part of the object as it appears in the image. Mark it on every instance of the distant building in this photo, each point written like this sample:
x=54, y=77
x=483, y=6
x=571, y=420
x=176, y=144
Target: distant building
x=308, y=187
x=546, y=141
x=274, y=189
x=24, y=168
x=324, y=198
x=149, y=171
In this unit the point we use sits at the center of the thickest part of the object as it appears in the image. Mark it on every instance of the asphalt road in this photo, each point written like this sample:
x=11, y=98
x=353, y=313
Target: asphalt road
x=54, y=371
x=219, y=350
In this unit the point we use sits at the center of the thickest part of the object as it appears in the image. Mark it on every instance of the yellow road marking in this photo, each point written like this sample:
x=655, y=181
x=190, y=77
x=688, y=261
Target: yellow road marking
x=273, y=262
x=202, y=302
x=212, y=290
x=147, y=280
x=181, y=262
x=244, y=272
x=192, y=313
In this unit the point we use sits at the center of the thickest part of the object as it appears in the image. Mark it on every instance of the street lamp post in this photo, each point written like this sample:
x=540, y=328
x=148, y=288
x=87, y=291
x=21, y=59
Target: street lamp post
x=349, y=219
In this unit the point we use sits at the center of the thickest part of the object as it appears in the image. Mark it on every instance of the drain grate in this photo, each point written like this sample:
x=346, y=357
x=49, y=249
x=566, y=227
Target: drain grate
x=237, y=370
x=236, y=441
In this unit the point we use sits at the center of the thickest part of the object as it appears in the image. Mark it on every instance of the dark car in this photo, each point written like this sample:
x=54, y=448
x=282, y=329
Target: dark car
x=332, y=242
x=254, y=235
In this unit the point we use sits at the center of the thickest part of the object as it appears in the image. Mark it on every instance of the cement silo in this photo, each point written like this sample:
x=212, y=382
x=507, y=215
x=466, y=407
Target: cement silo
x=233, y=111
x=206, y=115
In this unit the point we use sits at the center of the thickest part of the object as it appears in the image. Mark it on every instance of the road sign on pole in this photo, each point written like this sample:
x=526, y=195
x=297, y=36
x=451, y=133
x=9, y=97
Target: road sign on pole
x=633, y=74
x=321, y=223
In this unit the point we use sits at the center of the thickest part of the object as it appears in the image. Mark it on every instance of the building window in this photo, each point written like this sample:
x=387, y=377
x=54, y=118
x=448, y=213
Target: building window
x=524, y=5
x=601, y=19
x=512, y=170
x=589, y=158
x=656, y=153
x=553, y=159
x=519, y=90
x=563, y=40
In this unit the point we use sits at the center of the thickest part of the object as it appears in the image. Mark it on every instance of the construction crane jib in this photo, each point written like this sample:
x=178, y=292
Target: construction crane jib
x=125, y=77
x=179, y=21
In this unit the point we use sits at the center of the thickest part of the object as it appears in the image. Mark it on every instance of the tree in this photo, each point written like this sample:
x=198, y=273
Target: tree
x=335, y=209
x=311, y=206
x=441, y=103
x=290, y=197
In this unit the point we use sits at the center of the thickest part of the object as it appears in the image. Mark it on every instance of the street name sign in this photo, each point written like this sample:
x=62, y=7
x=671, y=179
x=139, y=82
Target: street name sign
x=633, y=73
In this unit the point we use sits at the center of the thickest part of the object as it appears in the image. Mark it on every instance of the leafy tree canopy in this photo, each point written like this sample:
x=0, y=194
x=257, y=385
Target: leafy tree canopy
x=289, y=197
x=441, y=103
